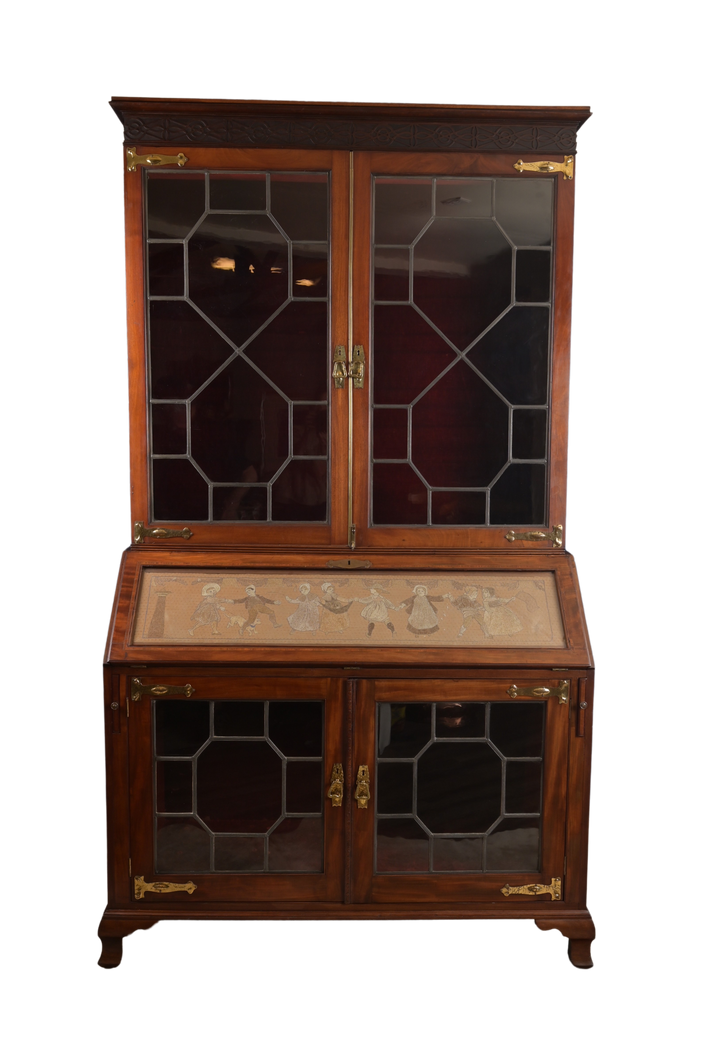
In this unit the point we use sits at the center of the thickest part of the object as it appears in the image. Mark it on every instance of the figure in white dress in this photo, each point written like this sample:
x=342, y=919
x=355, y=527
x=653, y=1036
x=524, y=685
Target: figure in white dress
x=208, y=613
x=423, y=615
x=306, y=619
x=334, y=618
x=499, y=620
x=376, y=610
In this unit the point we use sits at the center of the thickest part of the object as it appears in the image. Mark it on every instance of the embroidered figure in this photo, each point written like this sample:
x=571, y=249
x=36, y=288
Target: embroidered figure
x=334, y=617
x=466, y=604
x=306, y=619
x=376, y=609
x=208, y=611
x=257, y=605
x=499, y=620
x=423, y=615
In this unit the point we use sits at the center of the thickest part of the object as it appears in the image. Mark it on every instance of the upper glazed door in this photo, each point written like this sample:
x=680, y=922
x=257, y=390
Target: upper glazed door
x=461, y=299
x=241, y=260
x=263, y=271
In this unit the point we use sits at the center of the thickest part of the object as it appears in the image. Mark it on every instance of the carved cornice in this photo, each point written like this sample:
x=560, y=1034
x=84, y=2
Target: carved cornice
x=348, y=135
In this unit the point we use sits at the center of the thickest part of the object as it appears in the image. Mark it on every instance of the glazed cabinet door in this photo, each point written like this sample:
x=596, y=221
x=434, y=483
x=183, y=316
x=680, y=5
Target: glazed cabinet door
x=467, y=789
x=228, y=790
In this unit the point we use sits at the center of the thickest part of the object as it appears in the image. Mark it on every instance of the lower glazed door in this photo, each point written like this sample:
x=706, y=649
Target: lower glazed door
x=228, y=789
x=466, y=786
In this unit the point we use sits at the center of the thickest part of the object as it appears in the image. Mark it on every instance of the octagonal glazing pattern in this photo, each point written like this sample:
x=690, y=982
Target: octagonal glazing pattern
x=459, y=787
x=461, y=306
x=237, y=281
x=238, y=786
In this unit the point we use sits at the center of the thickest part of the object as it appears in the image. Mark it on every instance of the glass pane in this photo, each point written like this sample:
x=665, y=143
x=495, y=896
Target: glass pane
x=404, y=729
x=309, y=430
x=514, y=845
x=296, y=728
x=299, y=203
x=459, y=854
x=529, y=434
x=182, y=845
x=169, y=428
x=239, y=426
x=292, y=351
x=460, y=431
x=458, y=197
x=310, y=270
x=173, y=792
x=462, y=276
x=402, y=337
x=239, y=853
x=232, y=503
x=402, y=205
x=524, y=209
x=300, y=492
x=460, y=720
x=237, y=191
x=180, y=728
x=297, y=845
x=184, y=350
x=461, y=507
x=394, y=787
x=533, y=276
x=303, y=791
x=399, y=496
x=239, y=786
x=391, y=274
x=175, y=202
x=517, y=729
x=519, y=496
x=166, y=269
x=241, y=718
x=523, y=787
x=390, y=434
x=459, y=787
x=401, y=846
x=178, y=491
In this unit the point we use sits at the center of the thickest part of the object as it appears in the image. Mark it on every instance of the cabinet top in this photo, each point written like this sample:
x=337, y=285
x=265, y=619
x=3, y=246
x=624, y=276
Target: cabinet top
x=349, y=126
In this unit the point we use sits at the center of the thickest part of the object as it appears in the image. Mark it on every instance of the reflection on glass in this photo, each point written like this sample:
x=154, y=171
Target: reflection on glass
x=524, y=209
x=237, y=191
x=402, y=205
x=182, y=845
x=515, y=845
x=310, y=270
x=232, y=503
x=297, y=845
x=459, y=854
x=391, y=273
x=300, y=492
x=401, y=846
x=239, y=853
x=459, y=197
x=175, y=202
x=404, y=729
x=459, y=720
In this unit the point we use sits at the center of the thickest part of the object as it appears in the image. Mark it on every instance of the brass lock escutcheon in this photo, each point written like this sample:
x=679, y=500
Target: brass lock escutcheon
x=357, y=367
x=339, y=367
x=553, y=888
x=161, y=887
x=336, y=785
x=542, y=692
x=133, y=160
x=362, y=792
x=138, y=689
x=140, y=534
x=565, y=167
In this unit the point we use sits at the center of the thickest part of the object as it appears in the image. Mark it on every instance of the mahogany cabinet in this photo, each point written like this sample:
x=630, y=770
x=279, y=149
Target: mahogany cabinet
x=348, y=673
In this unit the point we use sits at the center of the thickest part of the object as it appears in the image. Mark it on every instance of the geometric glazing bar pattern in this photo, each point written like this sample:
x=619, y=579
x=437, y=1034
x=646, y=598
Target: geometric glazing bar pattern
x=461, y=304
x=238, y=786
x=237, y=274
x=459, y=787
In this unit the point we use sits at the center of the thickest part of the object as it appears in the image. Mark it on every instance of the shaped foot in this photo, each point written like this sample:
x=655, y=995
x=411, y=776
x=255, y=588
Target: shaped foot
x=580, y=932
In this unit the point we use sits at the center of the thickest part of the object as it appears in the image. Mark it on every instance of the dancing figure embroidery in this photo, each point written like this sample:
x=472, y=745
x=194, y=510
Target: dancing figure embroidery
x=334, y=617
x=423, y=615
x=208, y=611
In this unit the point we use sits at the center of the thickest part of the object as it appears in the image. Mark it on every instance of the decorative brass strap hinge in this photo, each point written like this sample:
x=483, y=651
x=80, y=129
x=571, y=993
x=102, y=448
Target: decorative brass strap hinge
x=553, y=888
x=133, y=160
x=140, y=534
x=339, y=367
x=362, y=793
x=138, y=689
x=336, y=785
x=555, y=535
x=565, y=167
x=561, y=690
x=357, y=366
x=348, y=564
x=161, y=887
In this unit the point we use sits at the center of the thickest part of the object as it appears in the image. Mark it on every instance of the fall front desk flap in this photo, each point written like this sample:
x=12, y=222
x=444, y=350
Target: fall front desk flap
x=291, y=608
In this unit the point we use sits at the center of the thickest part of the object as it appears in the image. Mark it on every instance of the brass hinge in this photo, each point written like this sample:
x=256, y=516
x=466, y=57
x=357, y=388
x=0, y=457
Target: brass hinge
x=161, y=887
x=553, y=888
x=565, y=167
x=357, y=366
x=133, y=159
x=140, y=534
x=542, y=692
x=139, y=689
x=555, y=535
x=348, y=564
